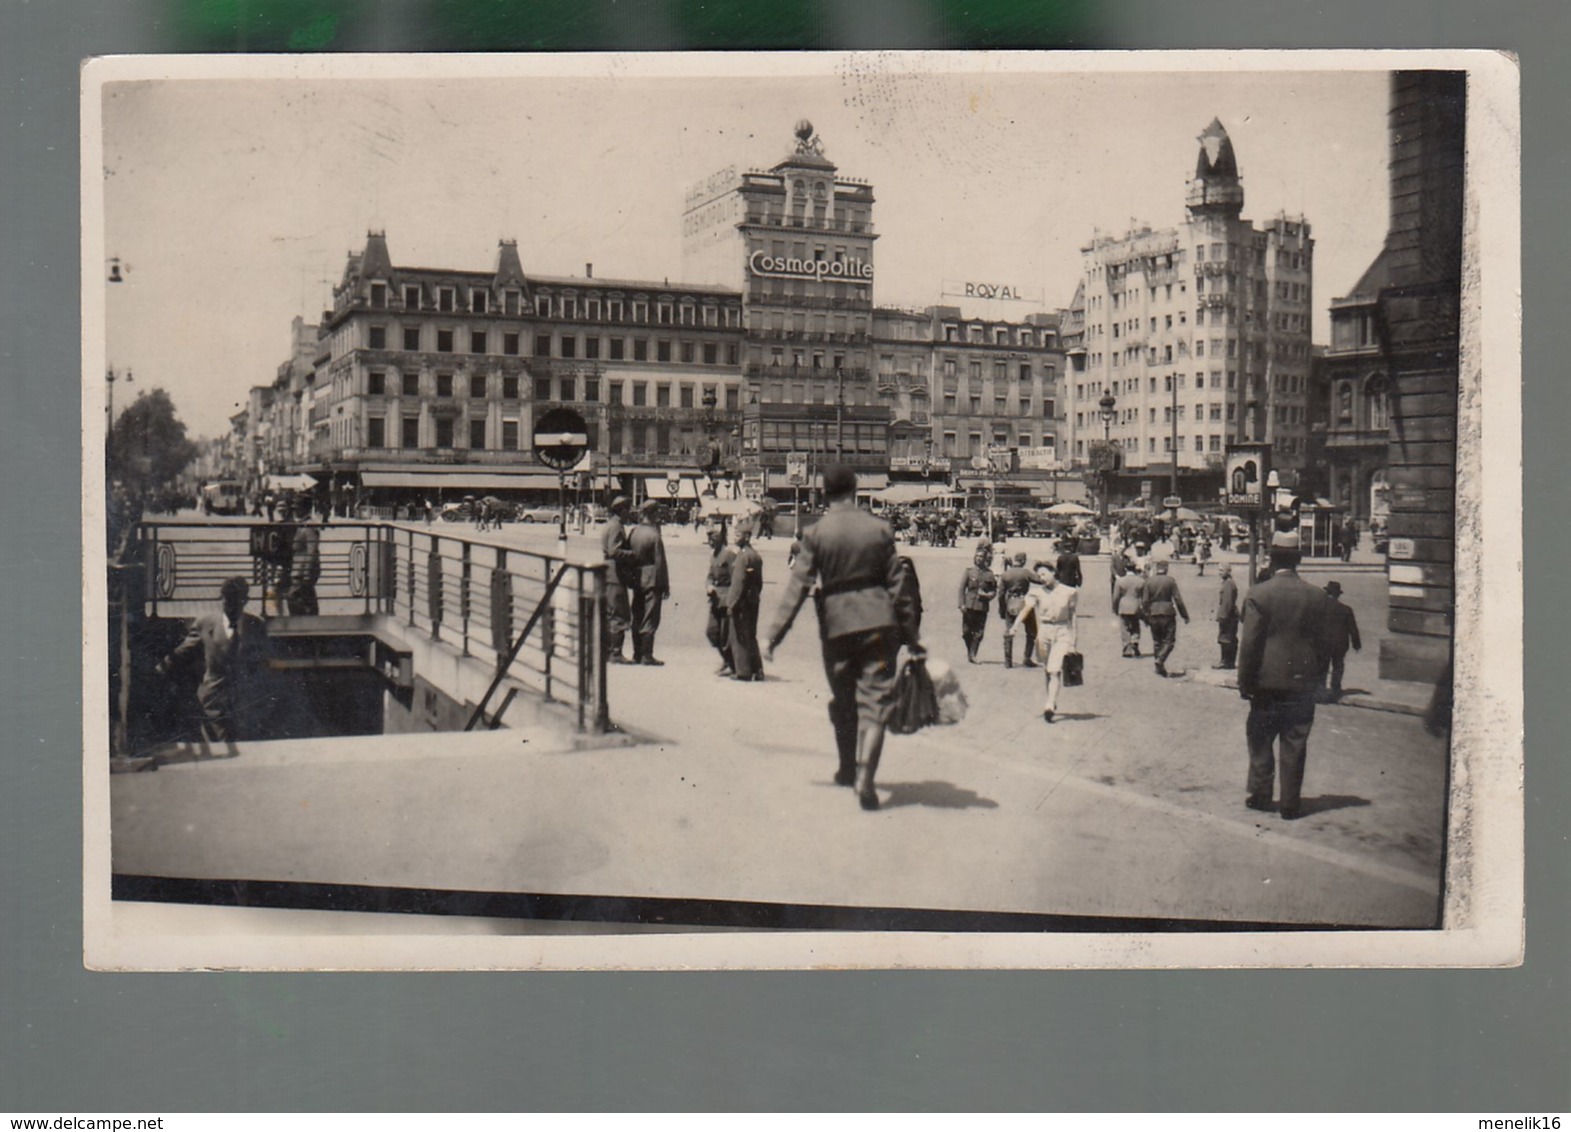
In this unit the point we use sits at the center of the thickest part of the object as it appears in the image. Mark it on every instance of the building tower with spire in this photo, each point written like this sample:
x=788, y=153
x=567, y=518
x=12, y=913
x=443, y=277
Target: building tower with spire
x=1201, y=332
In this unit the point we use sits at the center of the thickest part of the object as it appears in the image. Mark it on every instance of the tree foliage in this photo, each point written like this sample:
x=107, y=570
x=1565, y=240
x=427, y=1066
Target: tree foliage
x=148, y=447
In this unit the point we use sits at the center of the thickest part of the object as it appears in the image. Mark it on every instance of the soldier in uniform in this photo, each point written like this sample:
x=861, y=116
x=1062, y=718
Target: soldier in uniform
x=233, y=646
x=1128, y=594
x=1227, y=618
x=1161, y=605
x=862, y=622
x=621, y=576
x=978, y=588
x=744, y=592
x=654, y=582
x=716, y=586
x=1012, y=590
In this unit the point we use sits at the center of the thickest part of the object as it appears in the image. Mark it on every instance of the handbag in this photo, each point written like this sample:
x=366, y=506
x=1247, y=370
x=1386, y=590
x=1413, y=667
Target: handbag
x=916, y=701
x=1074, y=672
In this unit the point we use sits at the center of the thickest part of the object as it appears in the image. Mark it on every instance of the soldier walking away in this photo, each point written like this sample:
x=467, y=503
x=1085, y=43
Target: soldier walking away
x=1128, y=603
x=716, y=586
x=1341, y=631
x=978, y=588
x=1281, y=663
x=742, y=597
x=1162, y=605
x=1067, y=571
x=654, y=582
x=305, y=567
x=1012, y=589
x=862, y=624
x=621, y=577
x=1227, y=618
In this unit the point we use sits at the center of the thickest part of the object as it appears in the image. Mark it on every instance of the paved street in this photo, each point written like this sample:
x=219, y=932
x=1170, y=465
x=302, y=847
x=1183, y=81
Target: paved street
x=1131, y=806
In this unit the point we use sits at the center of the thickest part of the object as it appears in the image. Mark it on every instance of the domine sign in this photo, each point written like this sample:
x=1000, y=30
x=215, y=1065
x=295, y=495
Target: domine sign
x=790, y=267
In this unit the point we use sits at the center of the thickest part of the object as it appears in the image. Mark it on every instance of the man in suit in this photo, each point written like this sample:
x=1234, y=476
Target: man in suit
x=1067, y=571
x=716, y=586
x=233, y=646
x=1281, y=662
x=743, y=595
x=1161, y=605
x=654, y=582
x=978, y=588
x=1128, y=594
x=621, y=576
x=1341, y=631
x=305, y=567
x=1227, y=618
x=862, y=622
x=1012, y=590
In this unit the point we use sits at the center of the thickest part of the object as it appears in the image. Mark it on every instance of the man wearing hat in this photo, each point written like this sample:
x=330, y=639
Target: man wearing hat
x=654, y=582
x=862, y=623
x=743, y=595
x=1342, y=631
x=1227, y=618
x=621, y=576
x=716, y=586
x=1012, y=590
x=978, y=588
x=1281, y=663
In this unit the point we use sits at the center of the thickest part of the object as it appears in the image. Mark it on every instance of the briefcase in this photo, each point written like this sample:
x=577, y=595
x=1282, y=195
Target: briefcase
x=1074, y=673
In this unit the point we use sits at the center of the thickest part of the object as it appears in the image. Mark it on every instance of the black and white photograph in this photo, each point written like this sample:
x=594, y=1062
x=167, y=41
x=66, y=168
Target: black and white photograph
x=846, y=510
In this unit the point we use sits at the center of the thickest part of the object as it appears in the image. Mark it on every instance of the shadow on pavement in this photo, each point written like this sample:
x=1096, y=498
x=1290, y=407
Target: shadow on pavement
x=938, y=795
x=1066, y=716
x=1328, y=802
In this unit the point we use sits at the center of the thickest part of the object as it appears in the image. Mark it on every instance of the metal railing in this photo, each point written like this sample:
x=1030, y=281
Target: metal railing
x=474, y=595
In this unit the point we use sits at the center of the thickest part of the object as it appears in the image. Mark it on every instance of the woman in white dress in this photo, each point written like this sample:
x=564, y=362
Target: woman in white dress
x=1053, y=604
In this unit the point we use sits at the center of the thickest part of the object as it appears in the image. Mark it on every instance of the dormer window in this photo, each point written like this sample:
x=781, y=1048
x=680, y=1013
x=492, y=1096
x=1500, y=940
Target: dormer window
x=444, y=298
x=478, y=302
x=412, y=297
x=569, y=307
x=543, y=306
x=379, y=295
x=510, y=302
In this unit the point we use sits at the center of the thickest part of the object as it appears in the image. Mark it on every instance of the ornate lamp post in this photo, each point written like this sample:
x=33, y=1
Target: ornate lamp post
x=711, y=462
x=1108, y=406
x=110, y=377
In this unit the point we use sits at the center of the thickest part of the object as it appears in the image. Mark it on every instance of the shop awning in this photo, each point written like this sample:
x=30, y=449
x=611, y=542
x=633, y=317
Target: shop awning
x=467, y=481
x=902, y=493
x=297, y=482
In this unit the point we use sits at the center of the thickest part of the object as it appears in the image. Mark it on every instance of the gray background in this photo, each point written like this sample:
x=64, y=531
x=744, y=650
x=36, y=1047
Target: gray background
x=74, y=1041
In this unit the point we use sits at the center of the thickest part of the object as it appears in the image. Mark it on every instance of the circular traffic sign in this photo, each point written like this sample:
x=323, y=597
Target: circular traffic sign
x=561, y=438
x=672, y=487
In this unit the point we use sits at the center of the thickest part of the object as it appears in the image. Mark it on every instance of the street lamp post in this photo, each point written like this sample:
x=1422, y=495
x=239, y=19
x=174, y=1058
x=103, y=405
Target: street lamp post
x=712, y=450
x=840, y=415
x=1107, y=406
x=110, y=377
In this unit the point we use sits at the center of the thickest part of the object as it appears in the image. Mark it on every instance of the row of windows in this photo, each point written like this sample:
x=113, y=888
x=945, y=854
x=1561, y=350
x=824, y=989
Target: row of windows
x=950, y=445
x=808, y=436
x=1023, y=336
x=1212, y=443
x=951, y=406
x=563, y=345
x=480, y=300
x=562, y=387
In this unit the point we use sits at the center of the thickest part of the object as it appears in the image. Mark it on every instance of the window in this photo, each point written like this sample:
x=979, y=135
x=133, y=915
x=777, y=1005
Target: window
x=1344, y=403
x=444, y=432
x=665, y=315
x=542, y=345
x=687, y=352
x=510, y=388
x=411, y=432
x=569, y=306
x=444, y=341
x=640, y=349
x=1048, y=409
x=543, y=306
x=591, y=347
x=378, y=338
x=379, y=295
x=374, y=387
x=510, y=435
x=477, y=432
x=591, y=389
x=444, y=302
x=686, y=395
x=569, y=346
x=663, y=350
x=411, y=385
x=444, y=385
x=614, y=393
x=411, y=338
x=478, y=303
x=412, y=297
x=733, y=397
x=618, y=348
x=640, y=312
x=477, y=385
x=613, y=310
x=376, y=432
x=711, y=353
x=567, y=389
x=640, y=393
x=542, y=389
x=510, y=342
x=663, y=395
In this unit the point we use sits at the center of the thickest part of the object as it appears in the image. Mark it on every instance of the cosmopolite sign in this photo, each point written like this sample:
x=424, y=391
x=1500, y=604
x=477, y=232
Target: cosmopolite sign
x=790, y=267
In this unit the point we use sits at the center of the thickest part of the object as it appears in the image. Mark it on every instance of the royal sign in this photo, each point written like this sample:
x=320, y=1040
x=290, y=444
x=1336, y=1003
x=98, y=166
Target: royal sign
x=1002, y=292
x=790, y=267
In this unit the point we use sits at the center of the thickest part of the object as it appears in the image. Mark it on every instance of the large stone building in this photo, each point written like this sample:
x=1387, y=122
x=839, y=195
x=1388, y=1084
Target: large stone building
x=426, y=377
x=1201, y=334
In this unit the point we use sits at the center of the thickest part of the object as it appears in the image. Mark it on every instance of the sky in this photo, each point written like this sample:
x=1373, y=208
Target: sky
x=233, y=203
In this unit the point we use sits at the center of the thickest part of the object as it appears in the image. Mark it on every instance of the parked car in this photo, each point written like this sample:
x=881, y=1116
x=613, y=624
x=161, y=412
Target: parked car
x=532, y=514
